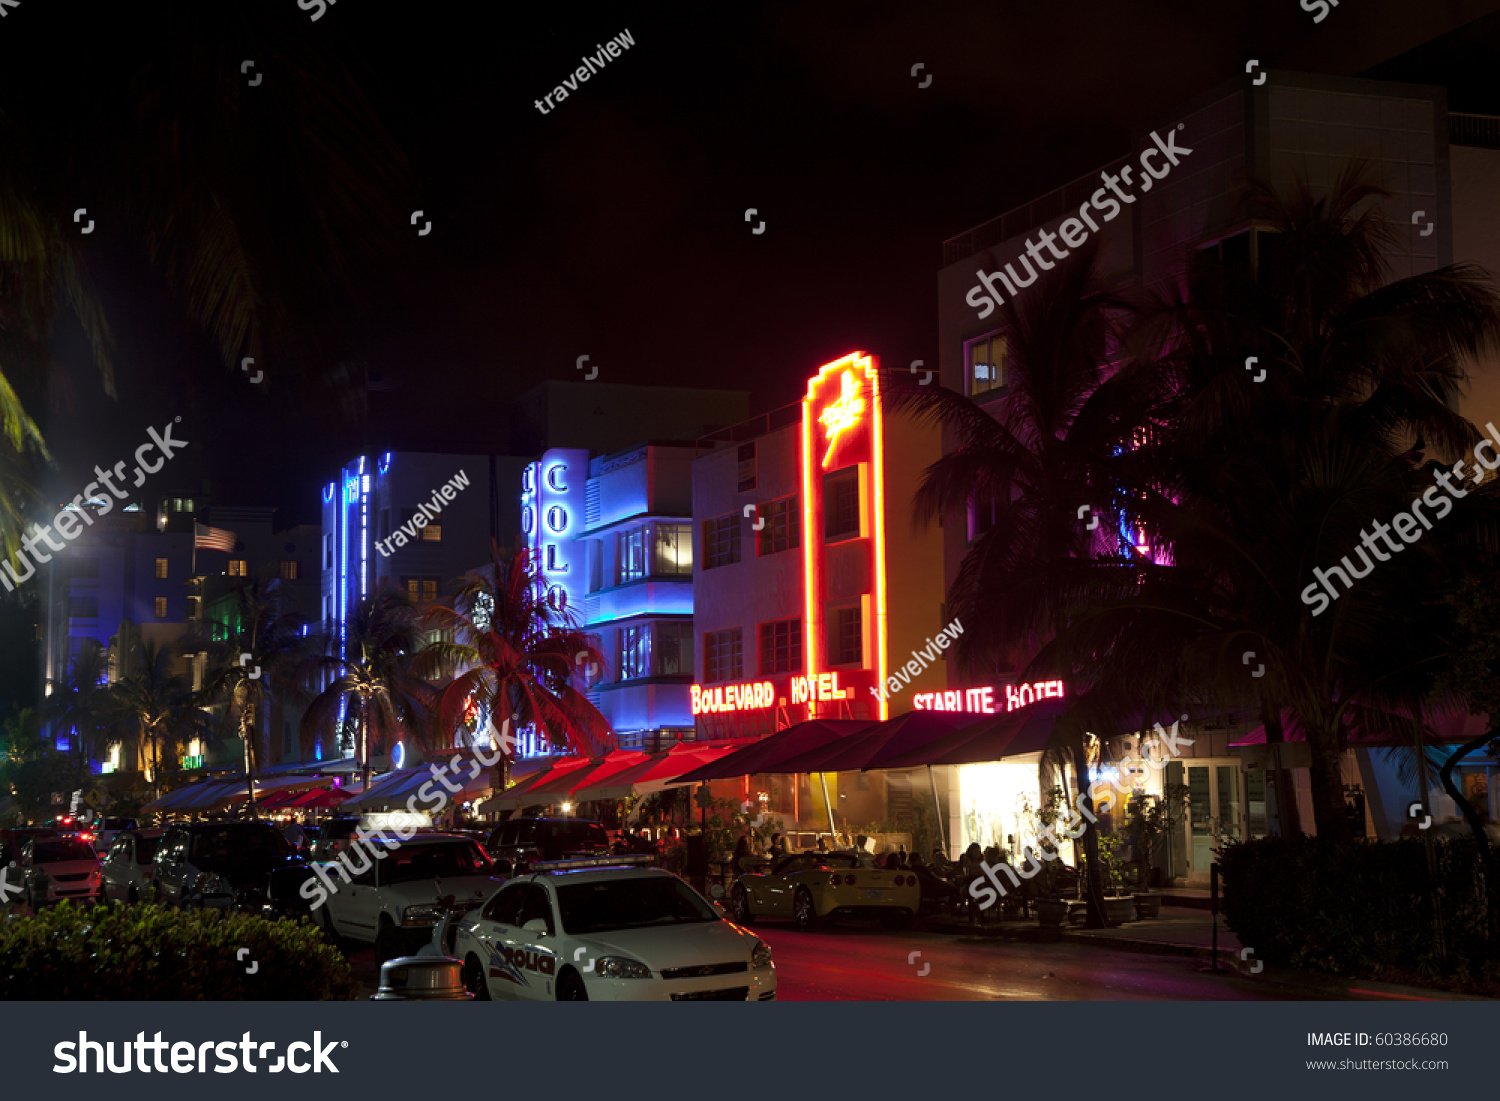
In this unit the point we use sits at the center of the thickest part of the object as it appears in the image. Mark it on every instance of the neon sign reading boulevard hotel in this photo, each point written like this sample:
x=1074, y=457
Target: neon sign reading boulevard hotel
x=824, y=687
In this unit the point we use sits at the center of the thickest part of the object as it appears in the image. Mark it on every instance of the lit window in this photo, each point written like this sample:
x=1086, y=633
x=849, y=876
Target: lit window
x=632, y=549
x=721, y=541
x=238, y=567
x=985, y=364
x=841, y=505
x=673, y=550
x=433, y=532
x=413, y=588
x=847, y=646
x=781, y=647
x=289, y=571
x=429, y=590
x=722, y=656
x=783, y=527
x=161, y=569
x=161, y=607
x=635, y=652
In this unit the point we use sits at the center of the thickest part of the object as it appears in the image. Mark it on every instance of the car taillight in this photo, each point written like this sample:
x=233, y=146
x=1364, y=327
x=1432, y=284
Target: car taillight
x=835, y=881
x=899, y=881
x=849, y=880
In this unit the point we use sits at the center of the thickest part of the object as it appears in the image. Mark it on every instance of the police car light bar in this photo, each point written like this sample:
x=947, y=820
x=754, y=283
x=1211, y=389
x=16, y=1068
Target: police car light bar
x=591, y=862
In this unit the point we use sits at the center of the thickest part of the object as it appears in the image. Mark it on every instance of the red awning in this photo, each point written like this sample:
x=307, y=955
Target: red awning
x=902, y=734
x=650, y=776
x=563, y=781
x=766, y=754
x=992, y=738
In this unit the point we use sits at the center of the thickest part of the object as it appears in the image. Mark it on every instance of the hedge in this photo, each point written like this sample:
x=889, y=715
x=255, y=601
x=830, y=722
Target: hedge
x=116, y=952
x=1364, y=908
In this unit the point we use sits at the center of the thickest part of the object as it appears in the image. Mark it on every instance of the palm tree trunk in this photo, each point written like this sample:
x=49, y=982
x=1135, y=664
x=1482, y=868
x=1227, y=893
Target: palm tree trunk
x=1327, y=775
x=247, y=732
x=1093, y=880
x=1288, y=820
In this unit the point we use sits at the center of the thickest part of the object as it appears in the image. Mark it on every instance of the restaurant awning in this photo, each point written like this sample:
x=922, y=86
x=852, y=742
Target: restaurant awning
x=652, y=775
x=991, y=738
x=560, y=785
x=515, y=796
x=901, y=734
x=766, y=754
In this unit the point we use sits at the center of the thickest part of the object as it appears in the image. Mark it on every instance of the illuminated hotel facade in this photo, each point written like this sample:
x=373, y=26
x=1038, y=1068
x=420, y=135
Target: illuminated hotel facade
x=810, y=582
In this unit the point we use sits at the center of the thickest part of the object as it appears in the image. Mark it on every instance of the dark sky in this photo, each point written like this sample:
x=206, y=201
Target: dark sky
x=614, y=226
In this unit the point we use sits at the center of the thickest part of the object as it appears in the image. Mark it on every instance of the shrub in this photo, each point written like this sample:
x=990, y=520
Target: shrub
x=1366, y=908
x=116, y=952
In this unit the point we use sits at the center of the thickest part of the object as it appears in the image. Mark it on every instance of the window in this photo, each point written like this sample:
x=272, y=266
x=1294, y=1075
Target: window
x=83, y=607
x=429, y=590
x=783, y=529
x=161, y=607
x=161, y=569
x=413, y=587
x=672, y=553
x=328, y=552
x=238, y=567
x=433, y=532
x=841, y=505
x=674, y=649
x=632, y=549
x=985, y=364
x=635, y=652
x=747, y=467
x=289, y=571
x=1247, y=251
x=721, y=541
x=85, y=569
x=847, y=644
x=781, y=647
x=722, y=656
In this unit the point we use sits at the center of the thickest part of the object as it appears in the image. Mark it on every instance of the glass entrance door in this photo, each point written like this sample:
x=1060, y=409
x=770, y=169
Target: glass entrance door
x=1215, y=814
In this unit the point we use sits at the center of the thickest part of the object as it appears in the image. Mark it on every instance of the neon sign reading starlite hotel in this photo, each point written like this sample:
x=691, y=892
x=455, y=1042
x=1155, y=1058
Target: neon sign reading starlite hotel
x=982, y=701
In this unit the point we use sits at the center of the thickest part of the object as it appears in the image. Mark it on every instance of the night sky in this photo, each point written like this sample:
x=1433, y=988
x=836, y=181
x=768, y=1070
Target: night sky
x=614, y=226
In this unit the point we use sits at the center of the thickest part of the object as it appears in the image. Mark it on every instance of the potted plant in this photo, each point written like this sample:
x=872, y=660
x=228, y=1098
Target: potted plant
x=1118, y=906
x=1150, y=818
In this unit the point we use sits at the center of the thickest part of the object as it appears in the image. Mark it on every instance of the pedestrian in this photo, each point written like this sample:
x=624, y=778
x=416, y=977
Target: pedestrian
x=295, y=835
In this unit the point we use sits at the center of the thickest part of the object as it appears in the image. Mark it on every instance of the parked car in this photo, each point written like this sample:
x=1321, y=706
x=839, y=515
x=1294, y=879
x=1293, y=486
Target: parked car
x=13, y=841
x=596, y=930
x=54, y=868
x=221, y=864
x=334, y=836
x=528, y=840
x=395, y=901
x=129, y=865
x=818, y=888
x=107, y=829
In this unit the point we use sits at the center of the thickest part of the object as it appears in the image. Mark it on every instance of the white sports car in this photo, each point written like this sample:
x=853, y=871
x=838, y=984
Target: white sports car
x=602, y=930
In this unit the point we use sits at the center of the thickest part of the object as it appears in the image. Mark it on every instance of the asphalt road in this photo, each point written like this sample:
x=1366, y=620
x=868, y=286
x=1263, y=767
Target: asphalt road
x=854, y=962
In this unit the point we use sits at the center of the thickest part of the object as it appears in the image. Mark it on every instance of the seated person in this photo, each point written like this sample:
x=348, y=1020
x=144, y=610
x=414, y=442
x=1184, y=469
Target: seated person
x=932, y=887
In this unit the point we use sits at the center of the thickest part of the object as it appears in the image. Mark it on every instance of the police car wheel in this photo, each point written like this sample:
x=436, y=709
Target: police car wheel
x=474, y=981
x=570, y=987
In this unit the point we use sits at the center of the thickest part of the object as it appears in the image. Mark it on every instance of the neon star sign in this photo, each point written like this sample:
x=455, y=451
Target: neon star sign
x=841, y=414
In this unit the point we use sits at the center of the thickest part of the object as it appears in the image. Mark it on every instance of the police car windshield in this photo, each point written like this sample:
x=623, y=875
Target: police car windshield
x=630, y=903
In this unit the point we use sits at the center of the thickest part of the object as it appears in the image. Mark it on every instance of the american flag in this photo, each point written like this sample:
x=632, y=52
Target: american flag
x=207, y=538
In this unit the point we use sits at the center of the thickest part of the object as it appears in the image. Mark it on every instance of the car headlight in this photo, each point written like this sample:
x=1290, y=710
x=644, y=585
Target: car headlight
x=618, y=967
x=426, y=914
x=760, y=955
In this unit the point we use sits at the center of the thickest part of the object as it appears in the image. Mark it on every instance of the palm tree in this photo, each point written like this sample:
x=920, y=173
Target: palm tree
x=1029, y=472
x=155, y=709
x=513, y=648
x=373, y=686
x=79, y=703
x=260, y=658
x=1251, y=487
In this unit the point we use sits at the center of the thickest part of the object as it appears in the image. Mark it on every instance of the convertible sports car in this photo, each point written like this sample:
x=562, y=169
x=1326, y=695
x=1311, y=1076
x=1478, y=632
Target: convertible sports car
x=817, y=888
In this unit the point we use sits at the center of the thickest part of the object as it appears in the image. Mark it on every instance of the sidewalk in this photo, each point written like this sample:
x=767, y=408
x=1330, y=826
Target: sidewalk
x=1189, y=931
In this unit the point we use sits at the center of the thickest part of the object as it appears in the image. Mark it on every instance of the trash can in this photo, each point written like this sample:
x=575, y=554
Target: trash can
x=422, y=979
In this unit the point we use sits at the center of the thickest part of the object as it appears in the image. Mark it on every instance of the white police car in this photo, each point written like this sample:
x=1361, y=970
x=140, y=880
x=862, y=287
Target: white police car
x=605, y=929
